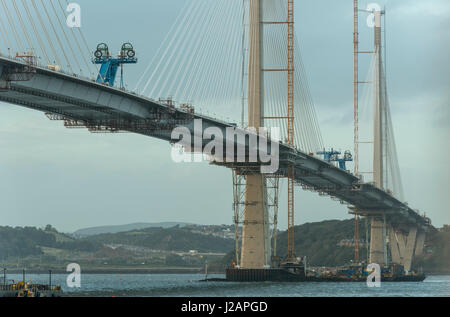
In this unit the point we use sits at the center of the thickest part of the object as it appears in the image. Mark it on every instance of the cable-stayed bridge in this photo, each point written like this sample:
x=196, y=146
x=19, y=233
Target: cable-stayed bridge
x=243, y=57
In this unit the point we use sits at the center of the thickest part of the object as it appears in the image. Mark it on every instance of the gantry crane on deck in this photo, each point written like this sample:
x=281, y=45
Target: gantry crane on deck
x=110, y=65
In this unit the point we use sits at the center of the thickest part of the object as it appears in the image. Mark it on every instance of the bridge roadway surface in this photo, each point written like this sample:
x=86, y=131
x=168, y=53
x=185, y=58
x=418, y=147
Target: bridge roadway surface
x=85, y=102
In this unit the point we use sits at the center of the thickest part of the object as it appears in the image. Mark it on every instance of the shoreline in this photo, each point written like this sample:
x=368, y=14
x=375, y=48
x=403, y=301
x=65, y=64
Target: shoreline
x=119, y=271
x=126, y=271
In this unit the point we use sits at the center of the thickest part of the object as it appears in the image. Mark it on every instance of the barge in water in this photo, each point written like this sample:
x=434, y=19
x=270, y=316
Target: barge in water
x=297, y=272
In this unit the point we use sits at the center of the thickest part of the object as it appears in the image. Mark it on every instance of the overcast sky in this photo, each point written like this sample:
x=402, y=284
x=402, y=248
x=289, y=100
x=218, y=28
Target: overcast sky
x=73, y=179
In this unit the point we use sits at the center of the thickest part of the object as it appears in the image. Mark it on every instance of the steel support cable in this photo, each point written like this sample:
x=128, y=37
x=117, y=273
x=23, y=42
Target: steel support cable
x=12, y=26
x=77, y=42
x=303, y=118
x=235, y=80
x=181, y=52
x=163, y=44
x=204, y=93
x=302, y=109
x=217, y=89
x=277, y=104
x=36, y=32
x=187, y=61
x=167, y=48
x=65, y=36
x=5, y=31
x=195, y=72
x=193, y=90
x=243, y=64
x=235, y=60
x=281, y=97
x=4, y=35
x=88, y=50
x=306, y=112
x=171, y=49
x=269, y=84
x=216, y=46
x=24, y=28
x=312, y=114
x=218, y=92
x=47, y=35
x=305, y=107
x=57, y=37
x=190, y=88
x=278, y=43
x=392, y=150
x=184, y=25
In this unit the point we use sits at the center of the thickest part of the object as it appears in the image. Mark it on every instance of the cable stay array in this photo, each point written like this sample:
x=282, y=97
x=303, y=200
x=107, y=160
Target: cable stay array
x=203, y=61
x=391, y=171
x=38, y=28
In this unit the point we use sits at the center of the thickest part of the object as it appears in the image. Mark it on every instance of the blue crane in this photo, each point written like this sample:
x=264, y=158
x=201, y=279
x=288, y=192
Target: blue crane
x=333, y=156
x=110, y=65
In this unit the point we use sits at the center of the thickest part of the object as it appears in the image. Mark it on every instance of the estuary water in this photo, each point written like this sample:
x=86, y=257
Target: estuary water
x=189, y=285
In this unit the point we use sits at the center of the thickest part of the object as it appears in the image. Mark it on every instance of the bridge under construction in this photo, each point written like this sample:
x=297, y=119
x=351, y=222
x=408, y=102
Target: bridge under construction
x=270, y=62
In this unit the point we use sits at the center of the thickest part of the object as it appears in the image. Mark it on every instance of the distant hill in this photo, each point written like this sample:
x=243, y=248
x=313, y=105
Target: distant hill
x=86, y=232
x=167, y=239
x=320, y=242
x=28, y=241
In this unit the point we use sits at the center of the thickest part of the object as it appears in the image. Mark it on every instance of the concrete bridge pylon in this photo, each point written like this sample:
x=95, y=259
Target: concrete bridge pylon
x=256, y=246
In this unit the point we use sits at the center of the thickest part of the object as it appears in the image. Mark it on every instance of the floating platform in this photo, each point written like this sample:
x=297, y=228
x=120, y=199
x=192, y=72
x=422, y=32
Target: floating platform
x=263, y=275
x=289, y=274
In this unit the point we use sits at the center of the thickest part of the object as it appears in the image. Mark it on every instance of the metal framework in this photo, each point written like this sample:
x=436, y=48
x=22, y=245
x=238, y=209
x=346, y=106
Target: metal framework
x=356, y=115
x=239, y=187
x=273, y=189
x=239, y=190
x=290, y=117
x=291, y=172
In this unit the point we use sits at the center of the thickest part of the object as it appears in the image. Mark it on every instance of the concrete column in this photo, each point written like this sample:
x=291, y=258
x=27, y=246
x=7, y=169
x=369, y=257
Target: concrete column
x=395, y=251
x=420, y=242
x=256, y=248
x=407, y=245
x=377, y=241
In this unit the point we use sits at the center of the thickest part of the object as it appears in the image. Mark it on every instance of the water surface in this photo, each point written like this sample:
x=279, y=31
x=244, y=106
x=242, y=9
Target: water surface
x=189, y=285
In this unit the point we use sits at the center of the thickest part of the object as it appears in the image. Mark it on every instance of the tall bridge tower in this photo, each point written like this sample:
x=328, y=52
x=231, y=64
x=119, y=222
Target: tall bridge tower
x=380, y=109
x=256, y=246
x=378, y=248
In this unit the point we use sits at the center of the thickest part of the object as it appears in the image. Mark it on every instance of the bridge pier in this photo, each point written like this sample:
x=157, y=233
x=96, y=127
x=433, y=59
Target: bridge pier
x=255, y=232
x=389, y=244
x=378, y=246
x=405, y=246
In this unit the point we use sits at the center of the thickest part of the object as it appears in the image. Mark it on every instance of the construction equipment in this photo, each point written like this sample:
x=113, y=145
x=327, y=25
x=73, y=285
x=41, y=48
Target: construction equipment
x=333, y=156
x=110, y=65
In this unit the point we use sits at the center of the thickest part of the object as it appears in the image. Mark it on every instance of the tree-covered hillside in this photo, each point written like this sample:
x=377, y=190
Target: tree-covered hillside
x=171, y=239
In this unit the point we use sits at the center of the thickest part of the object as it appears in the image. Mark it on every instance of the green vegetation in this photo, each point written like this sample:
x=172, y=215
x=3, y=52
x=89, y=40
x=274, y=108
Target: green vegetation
x=436, y=257
x=28, y=241
x=172, y=239
x=319, y=241
x=327, y=243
